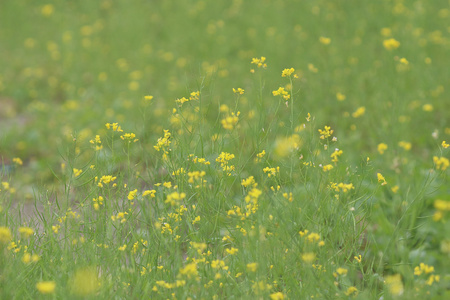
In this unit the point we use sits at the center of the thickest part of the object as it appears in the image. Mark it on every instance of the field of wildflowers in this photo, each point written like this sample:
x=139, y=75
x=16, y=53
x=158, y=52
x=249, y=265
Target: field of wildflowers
x=191, y=149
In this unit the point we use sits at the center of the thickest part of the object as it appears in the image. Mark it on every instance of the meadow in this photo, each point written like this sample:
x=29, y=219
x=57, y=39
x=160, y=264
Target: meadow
x=197, y=149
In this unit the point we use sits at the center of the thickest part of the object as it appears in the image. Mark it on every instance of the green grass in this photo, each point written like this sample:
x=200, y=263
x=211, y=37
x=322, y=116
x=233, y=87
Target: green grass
x=301, y=221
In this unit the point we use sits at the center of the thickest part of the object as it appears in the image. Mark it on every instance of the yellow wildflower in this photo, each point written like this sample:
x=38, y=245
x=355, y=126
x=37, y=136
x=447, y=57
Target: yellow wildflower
x=46, y=287
x=391, y=44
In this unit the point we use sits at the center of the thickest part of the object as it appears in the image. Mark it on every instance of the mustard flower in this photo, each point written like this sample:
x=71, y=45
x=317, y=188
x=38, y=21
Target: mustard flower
x=97, y=142
x=324, y=40
x=85, y=282
x=17, y=161
x=46, y=287
x=327, y=168
x=325, y=133
x=130, y=137
x=189, y=271
x=405, y=145
x=238, y=91
x=230, y=121
x=442, y=163
x=340, y=96
x=381, y=179
x=47, y=10
x=260, y=62
x=359, y=112
x=277, y=296
x=26, y=232
x=114, y=127
x=308, y=257
x=381, y=148
x=5, y=235
x=287, y=72
x=77, y=172
x=252, y=267
x=194, y=96
x=351, y=291
x=394, y=284
x=391, y=44
x=281, y=92
x=445, y=145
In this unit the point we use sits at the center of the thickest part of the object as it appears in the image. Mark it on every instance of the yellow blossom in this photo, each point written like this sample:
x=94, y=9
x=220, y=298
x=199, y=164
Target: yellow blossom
x=287, y=72
x=17, y=161
x=252, y=267
x=46, y=287
x=442, y=163
x=26, y=232
x=260, y=62
x=308, y=257
x=277, y=296
x=381, y=179
x=238, y=91
x=359, y=112
x=85, y=282
x=394, y=284
x=5, y=235
x=381, y=148
x=340, y=96
x=324, y=40
x=351, y=291
x=391, y=44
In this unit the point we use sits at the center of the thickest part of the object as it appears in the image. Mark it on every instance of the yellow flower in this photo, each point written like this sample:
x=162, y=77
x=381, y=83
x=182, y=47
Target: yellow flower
x=238, y=91
x=277, y=296
x=260, y=62
x=325, y=40
x=427, y=107
x=85, y=282
x=404, y=61
x=405, y=145
x=394, y=284
x=381, y=179
x=381, y=148
x=391, y=44
x=26, y=232
x=252, y=267
x=351, y=291
x=340, y=96
x=441, y=163
x=17, y=161
x=445, y=145
x=327, y=168
x=287, y=72
x=308, y=257
x=77, y=172
x=47, y=10
x=5, y=235
x=46, y=287
x=359, y=112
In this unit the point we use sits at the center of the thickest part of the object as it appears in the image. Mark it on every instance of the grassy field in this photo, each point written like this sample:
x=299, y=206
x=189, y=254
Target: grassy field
x=224, y=149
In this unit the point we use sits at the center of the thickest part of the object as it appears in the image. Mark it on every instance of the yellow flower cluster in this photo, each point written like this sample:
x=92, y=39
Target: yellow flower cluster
x=260, y=62
x=287, y=72
x=442, y=163
x=105, y=179
x=391, y=44
x=326, y=132
x=281, y=92
x=114, y=127
x=224, y=159
x=230, y=121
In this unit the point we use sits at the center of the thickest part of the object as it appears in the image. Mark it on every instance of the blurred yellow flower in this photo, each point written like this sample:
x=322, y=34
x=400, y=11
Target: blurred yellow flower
x=46, y=287
x=391, y=44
